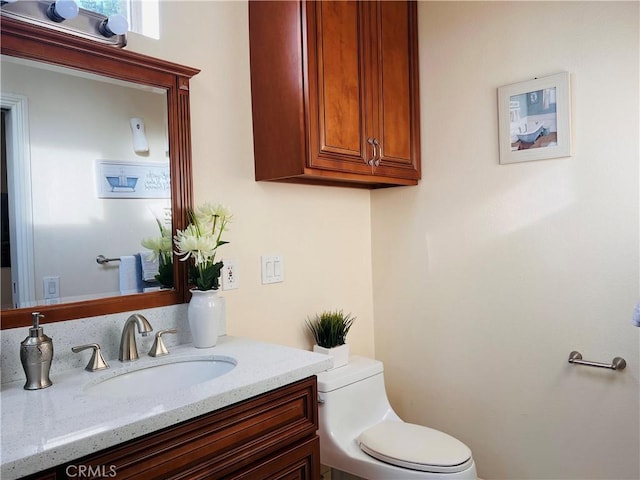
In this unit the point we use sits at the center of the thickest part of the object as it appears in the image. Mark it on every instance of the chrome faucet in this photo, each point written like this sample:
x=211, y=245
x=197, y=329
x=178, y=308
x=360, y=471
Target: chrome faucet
x=128, y=347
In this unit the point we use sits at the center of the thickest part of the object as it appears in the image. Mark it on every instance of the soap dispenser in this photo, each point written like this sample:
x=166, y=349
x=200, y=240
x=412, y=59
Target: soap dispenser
x=36, y=353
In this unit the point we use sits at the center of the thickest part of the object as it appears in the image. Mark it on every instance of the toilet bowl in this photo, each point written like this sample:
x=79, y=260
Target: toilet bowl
x=361, y=435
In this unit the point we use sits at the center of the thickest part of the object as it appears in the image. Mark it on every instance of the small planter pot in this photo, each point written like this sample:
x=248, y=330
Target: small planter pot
x=340, y=354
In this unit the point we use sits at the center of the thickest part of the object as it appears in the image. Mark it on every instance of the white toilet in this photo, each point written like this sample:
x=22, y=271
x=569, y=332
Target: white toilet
x=361, y=435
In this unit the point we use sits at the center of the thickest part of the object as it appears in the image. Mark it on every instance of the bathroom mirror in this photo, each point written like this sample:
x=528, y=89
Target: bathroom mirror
x=124, y=85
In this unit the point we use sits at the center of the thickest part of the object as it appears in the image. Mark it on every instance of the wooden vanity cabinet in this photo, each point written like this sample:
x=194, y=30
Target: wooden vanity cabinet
x=335, y=92
x=271, y=436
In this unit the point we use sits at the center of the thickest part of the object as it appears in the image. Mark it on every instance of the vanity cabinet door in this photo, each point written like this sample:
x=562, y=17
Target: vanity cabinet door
x=335, y=92
x=274, y=433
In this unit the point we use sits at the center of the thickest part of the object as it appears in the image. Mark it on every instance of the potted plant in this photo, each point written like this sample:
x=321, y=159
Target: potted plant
x=329, y=330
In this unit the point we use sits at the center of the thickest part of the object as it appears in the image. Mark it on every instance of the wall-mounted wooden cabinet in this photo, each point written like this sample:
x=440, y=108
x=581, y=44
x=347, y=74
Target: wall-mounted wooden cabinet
x=335, y=92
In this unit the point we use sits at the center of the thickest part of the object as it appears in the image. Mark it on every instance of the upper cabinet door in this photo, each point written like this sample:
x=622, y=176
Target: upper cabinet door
x=337, y=105
x=396, y=86
x=357, y=106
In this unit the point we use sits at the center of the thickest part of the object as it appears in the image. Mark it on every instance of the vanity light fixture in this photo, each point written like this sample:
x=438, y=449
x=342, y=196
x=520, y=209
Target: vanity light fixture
x=67, y=17
x=140, y=144
x=62, y=10
x=114, y=25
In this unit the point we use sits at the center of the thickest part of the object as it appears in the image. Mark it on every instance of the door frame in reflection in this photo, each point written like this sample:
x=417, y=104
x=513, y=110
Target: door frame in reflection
x=20, y=205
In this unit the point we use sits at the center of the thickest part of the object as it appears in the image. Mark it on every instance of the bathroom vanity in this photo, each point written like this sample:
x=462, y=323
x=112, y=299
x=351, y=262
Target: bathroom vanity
x=258, y=420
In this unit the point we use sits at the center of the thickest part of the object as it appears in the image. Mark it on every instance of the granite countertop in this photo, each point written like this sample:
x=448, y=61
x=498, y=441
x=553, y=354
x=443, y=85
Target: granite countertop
x=49, y=427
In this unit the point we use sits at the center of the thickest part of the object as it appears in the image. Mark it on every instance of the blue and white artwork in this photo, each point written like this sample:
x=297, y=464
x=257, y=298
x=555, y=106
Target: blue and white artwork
x=532, y=119
x=133, y=180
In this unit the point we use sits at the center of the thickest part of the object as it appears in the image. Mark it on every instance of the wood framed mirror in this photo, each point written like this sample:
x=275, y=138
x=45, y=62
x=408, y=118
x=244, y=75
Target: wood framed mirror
x=20, y=40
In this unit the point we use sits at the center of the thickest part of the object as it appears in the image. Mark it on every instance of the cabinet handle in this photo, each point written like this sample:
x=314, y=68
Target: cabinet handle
x=376, y=143
x=373, y=143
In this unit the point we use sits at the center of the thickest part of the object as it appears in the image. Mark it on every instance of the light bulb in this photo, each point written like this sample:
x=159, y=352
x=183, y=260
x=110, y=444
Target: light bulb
x=62, y=10
x=114, y=25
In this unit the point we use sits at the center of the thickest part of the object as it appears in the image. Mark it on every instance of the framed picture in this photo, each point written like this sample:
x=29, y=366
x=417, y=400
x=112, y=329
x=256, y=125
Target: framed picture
x=534, y=119
x=132, y=180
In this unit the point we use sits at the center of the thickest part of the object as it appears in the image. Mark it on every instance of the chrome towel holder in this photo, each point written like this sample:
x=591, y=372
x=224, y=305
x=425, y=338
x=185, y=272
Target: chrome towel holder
x=101, y=259
x=618, y=363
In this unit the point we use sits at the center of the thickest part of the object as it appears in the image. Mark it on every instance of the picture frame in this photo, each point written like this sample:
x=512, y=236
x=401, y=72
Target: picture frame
x=534, y=119
x=132, y=180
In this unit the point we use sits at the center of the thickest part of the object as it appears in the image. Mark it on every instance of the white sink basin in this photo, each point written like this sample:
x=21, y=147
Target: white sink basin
x=162, y=378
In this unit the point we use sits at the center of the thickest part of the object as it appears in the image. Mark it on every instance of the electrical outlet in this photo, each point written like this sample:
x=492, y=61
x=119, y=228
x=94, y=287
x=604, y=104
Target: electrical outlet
x=230, y=278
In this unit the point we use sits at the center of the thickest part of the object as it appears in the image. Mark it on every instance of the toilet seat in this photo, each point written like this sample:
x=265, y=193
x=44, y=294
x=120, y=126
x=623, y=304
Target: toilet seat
x=415, y=447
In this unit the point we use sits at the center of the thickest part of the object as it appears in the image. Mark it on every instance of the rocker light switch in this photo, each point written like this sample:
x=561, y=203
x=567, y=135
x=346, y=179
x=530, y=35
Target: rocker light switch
x=51, y=287
x=272, y=269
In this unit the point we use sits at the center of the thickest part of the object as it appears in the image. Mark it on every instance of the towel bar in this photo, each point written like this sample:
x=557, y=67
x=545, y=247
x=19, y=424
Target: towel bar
x=618, y=363
x=101, y=259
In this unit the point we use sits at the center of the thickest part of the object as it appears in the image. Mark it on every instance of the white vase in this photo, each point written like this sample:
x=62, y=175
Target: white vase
x=340, y=354
x=205, y=314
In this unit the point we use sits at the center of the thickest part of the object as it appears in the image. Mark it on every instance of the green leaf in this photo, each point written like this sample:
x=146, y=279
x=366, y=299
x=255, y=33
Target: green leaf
x=329, y=329
x=165, y=274
x=208, y=278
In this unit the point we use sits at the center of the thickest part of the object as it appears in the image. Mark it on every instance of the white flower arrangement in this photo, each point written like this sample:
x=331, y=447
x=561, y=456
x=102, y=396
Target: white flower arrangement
x=200, y=241
x=161, y=250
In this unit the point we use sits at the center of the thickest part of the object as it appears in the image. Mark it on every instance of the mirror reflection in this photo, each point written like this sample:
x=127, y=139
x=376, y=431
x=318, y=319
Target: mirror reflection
x=85, y=173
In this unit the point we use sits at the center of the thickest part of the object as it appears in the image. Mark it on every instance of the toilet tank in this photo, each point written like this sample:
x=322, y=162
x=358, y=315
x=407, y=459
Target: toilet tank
x=353, y=398
x=356, y=370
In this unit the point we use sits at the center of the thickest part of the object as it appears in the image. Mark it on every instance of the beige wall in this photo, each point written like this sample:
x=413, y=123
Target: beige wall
x=323, y=233
x=487, y=276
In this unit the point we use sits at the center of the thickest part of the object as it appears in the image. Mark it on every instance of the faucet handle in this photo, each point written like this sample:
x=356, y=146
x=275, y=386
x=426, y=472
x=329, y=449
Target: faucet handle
x=158, y=348
x=97, y=361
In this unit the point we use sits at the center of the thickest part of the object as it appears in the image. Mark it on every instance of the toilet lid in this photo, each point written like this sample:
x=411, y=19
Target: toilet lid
x=416, y=447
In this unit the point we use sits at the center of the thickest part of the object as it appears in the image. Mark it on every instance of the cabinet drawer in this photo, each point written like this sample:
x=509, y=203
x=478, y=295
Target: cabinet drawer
x=296, y=463
x=220, y=442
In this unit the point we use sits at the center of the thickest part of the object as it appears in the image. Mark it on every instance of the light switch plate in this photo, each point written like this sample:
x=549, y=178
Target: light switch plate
x=272, y=269
x=51, y=287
